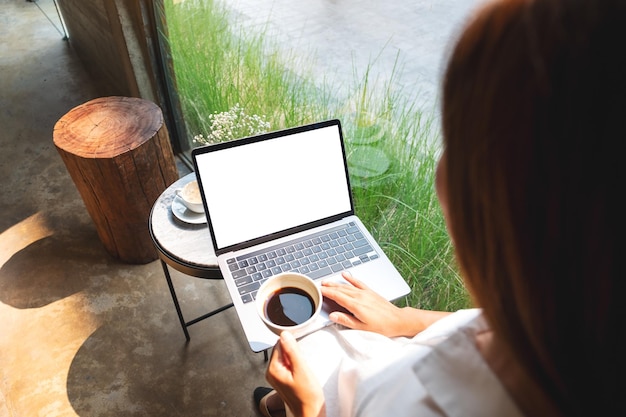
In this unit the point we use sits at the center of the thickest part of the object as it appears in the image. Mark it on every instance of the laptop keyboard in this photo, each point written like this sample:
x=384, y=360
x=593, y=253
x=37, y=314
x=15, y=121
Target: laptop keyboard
x=317, y=255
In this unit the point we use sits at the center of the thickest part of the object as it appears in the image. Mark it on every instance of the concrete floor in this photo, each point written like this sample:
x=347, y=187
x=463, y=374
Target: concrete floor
x=80, y=332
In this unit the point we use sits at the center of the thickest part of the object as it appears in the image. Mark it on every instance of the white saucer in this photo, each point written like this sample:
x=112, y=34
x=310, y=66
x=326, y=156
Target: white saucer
x=186, y=215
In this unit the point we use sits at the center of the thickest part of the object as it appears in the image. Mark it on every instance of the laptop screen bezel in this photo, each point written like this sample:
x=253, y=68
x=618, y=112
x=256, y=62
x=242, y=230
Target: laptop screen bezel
x=262, y=137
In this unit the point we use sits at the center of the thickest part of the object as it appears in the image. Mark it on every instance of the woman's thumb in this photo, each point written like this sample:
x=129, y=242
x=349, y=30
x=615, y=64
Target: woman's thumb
x=289, y=347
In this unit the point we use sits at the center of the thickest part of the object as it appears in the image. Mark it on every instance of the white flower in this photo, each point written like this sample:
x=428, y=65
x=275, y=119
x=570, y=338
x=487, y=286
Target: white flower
x=232, y=124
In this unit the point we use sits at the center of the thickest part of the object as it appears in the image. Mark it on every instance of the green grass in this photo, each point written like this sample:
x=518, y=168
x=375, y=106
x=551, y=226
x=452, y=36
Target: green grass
x=218, y=64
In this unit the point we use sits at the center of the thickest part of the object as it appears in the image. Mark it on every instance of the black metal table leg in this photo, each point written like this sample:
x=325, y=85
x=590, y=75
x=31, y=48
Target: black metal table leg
x=184, y=324
x=207, y=315
x=175, y=299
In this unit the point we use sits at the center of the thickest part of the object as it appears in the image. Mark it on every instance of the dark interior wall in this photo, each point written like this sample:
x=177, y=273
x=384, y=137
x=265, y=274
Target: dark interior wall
x=95, y=33
x=116, y=41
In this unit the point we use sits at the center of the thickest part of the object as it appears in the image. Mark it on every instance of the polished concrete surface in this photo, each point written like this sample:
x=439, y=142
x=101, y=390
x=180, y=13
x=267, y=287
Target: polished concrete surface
x=80, y=332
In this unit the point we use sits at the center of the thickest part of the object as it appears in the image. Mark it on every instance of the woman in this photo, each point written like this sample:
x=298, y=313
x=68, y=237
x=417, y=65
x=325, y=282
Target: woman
x=534, y=110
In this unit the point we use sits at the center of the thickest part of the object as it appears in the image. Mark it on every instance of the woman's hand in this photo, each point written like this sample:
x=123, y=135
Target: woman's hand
x=370, y=311
x=294, y=380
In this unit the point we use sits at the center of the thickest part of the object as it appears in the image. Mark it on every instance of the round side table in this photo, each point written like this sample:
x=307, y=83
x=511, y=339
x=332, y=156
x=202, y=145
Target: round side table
x=186, y=247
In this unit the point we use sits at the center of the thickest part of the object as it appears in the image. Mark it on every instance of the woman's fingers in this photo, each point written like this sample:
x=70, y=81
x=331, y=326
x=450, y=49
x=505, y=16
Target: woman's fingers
x=290, y=350
x=292, y=377
x=351, y=295
x=285, y=359
x=367, y=310
x=348, y=277
x=347, y=320
x=278, y=369
x=352, y=280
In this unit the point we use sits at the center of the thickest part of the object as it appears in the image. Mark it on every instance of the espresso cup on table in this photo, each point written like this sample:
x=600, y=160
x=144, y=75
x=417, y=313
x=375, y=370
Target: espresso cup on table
x=289, y=301
x=190, y=196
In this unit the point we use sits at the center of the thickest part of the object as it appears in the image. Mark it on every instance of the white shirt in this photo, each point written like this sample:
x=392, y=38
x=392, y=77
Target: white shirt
x=439, y=372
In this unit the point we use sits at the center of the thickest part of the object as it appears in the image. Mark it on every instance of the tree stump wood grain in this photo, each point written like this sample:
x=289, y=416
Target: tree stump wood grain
x=118, y=153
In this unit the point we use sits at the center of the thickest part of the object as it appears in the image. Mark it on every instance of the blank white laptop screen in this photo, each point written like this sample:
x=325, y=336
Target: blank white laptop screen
x=273, y=185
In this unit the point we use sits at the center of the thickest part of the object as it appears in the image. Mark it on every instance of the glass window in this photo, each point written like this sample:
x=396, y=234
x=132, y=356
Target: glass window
x=240, y=67
x=274, y=64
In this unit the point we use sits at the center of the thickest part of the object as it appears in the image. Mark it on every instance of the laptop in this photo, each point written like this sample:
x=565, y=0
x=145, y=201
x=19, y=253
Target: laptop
x=281, y=201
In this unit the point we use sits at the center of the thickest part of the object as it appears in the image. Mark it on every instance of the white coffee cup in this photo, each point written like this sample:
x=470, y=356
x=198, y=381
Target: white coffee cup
x=190, y=196
x=289, y=301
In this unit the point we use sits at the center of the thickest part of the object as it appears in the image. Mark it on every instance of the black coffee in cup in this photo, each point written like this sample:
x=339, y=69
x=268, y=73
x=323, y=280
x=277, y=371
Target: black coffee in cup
x=289, y=306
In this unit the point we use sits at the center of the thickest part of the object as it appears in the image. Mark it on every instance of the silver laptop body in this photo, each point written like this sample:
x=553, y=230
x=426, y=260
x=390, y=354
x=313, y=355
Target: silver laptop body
x=281, y=201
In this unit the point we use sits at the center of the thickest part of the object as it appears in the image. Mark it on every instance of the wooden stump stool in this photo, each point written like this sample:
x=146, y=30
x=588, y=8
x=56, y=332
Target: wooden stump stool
x=118, y=153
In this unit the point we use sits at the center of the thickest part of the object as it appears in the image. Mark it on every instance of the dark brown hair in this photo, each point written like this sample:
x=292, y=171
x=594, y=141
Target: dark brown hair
x=534, y=122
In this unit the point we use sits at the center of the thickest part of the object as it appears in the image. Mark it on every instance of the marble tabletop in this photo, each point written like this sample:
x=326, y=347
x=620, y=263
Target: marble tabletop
x=186, y=245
